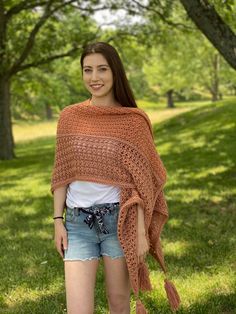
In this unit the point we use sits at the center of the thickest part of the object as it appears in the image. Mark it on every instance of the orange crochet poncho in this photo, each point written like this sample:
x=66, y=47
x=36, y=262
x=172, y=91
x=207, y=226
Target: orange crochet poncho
x=115, y=145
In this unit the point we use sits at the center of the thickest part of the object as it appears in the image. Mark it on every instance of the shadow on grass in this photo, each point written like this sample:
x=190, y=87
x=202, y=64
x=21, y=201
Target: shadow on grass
x=210, y=304
x=54, y=303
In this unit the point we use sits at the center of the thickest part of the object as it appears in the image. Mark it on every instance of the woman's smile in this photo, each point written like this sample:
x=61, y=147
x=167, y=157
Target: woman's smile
x=96, y=86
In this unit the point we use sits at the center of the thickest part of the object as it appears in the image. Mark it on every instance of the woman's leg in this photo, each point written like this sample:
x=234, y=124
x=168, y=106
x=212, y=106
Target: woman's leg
x=80, y=279
x=117, y=285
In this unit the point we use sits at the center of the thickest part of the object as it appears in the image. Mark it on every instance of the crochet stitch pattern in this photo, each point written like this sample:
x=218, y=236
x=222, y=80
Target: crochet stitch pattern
x=115, y=145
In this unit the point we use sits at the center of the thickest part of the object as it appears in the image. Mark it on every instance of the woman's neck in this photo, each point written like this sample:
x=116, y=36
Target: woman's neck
x=104, y=101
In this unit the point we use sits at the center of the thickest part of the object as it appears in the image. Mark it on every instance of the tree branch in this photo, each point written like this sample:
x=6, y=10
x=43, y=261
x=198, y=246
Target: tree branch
x=69, y=53
x=90, y=9
x=23, y=5
x=213, y=27
x=162, y=16
x=30, y=43
x=48, y=59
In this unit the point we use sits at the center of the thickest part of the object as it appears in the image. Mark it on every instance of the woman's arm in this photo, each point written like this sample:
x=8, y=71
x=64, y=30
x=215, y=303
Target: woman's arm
x=143, y=245
x=60, y=236
x=141, y=225
x=59, y=200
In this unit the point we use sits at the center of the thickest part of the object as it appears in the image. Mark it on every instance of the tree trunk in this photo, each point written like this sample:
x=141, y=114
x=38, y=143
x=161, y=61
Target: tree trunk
x=48, y=109
x=215, y=77
x=6, y=136
x=213, y=27
x=170, y=100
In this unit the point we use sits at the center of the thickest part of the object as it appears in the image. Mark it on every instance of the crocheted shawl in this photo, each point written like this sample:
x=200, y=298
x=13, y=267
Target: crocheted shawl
x=115, y=145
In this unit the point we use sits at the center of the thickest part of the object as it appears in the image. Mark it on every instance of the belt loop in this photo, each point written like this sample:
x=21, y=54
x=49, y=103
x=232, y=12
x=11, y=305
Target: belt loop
x=77, y=211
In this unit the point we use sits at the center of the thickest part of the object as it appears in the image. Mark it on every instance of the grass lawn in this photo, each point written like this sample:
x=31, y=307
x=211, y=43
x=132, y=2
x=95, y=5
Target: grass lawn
x=198, y=147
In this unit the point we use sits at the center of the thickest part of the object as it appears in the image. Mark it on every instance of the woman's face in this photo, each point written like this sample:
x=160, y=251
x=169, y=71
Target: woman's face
x=97, y=75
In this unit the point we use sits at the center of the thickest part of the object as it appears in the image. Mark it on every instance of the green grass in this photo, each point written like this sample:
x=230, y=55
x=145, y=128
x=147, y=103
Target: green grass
x=25, y=131
x=198, y=149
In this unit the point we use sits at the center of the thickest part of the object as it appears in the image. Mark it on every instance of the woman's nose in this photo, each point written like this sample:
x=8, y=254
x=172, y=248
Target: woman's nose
x=94, y=75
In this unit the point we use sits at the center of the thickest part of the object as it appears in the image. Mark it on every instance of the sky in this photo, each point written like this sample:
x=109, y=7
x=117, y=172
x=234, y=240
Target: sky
x=106, y=18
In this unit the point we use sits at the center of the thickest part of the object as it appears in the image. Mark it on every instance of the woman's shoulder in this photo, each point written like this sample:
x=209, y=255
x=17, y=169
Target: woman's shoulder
x=142, y=121
x=142, y=116
x=71, y=108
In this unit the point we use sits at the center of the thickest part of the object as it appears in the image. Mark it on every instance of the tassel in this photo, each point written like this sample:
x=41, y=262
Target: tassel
x=140, y=309
x=143, y=275
x=172, y=295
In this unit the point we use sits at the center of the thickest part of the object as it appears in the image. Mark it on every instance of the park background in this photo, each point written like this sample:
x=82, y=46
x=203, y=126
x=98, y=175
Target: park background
x=180, y=60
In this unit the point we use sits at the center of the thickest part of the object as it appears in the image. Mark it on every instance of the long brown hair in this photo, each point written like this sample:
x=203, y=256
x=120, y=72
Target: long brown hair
x=121, y=88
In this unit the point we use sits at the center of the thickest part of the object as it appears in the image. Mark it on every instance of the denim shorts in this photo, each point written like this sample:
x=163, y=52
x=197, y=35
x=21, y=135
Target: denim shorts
x=86, y=242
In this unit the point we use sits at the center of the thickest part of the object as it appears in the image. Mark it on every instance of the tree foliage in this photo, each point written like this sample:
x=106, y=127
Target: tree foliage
x=35, y=32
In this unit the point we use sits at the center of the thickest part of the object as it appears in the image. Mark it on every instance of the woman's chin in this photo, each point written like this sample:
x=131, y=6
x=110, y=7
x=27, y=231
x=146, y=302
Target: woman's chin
x=99, y=94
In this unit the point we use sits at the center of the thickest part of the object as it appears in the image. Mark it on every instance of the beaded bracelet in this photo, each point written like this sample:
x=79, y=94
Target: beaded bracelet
x=58, y=217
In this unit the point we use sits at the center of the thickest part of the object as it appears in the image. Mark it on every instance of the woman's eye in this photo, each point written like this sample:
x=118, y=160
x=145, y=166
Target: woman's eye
x=90, y=70
x=103, y=69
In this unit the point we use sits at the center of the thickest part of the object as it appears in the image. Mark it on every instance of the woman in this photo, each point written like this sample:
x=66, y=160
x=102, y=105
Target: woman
x=109, y=201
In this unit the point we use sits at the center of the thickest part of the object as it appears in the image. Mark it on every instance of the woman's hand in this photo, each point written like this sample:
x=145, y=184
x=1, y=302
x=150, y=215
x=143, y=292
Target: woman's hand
x=60, y=236
x=143, y=246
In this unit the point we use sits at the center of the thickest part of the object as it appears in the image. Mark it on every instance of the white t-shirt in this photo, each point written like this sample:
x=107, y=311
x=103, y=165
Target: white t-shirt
x=86, y=193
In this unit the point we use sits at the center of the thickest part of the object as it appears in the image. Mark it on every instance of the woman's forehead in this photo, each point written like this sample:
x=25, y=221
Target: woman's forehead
x=95, y=59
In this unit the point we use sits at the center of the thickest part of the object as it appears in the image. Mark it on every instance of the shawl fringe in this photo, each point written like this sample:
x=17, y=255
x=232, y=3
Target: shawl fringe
x=143, y=275
x=140, y=309
x=172, y=295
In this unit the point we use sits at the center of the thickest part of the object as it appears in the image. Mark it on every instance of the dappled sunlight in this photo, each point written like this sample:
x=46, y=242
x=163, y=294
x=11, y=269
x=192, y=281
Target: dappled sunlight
x=21, y=294
x=177, y=248
x=206, y=282
x=158, y=115
x=185, y=195
x=221, y=282
x=26, y=131
x=191, y=293
x=41, y=234
x=189, y=195
x=210, y=170
x=175, y=222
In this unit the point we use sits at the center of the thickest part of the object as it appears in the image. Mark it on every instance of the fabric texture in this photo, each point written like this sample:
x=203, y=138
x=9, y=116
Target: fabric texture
x=115, y=145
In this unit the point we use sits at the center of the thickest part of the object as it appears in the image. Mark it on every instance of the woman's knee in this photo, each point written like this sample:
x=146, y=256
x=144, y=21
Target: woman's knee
x=80, y=310
x=119, y=303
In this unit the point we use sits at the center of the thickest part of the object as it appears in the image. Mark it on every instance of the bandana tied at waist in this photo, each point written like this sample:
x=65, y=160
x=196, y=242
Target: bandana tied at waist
x=96, y=213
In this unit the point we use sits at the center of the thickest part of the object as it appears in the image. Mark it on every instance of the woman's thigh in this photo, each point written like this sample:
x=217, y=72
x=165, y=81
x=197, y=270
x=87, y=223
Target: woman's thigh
x=117, y=282
x=80, y=279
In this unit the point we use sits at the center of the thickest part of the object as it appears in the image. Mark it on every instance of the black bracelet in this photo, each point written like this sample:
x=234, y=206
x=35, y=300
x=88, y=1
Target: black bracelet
x=58, y=217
